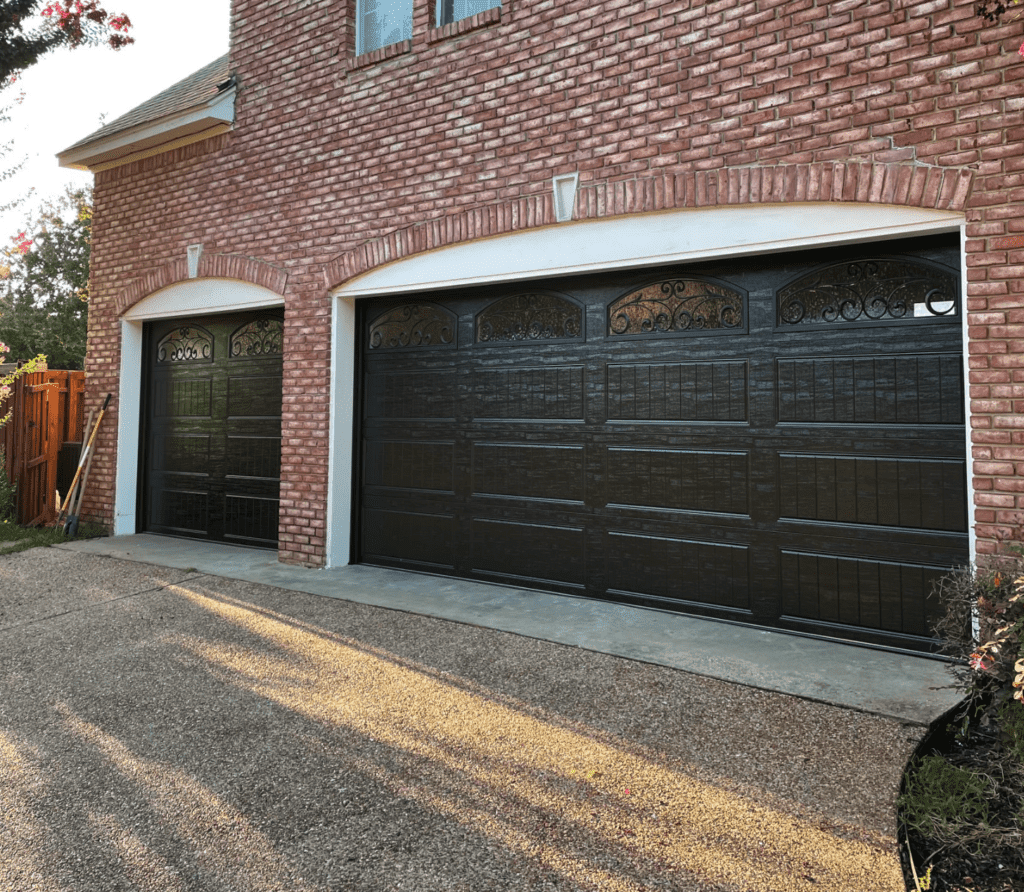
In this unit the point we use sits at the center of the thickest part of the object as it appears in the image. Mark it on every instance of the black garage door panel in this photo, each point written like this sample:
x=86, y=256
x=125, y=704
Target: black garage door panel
x=212, y=438
x=778, y=441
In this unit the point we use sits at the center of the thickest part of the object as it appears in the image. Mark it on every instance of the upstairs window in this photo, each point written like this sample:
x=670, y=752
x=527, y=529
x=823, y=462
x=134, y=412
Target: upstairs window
x=382, y=23
x=449, y=11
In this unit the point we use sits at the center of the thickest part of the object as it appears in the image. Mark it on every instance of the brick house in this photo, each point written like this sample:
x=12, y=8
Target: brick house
x=663, y=302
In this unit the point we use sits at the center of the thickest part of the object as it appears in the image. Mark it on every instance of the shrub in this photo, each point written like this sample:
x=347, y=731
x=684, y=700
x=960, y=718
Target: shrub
x=8, y=494
x=983, y=630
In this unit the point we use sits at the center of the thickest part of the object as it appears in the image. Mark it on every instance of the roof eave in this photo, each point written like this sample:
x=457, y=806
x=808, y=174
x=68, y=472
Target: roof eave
x=181, y=128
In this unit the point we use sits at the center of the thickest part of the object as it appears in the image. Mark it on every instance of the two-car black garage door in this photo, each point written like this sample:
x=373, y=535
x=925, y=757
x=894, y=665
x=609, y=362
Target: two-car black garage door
x=776, y=440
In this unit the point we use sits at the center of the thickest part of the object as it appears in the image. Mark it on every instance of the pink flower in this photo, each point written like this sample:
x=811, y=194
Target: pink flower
x=1021, y=50
x=22, y=242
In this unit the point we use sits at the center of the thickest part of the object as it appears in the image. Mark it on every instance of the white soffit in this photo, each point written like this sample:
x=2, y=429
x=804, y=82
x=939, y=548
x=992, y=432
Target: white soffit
x=152, y=137
x=649, y=240
x=206, y=296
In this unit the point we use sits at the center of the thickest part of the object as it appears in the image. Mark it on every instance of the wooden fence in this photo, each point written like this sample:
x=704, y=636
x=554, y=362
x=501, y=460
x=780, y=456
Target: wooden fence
x=42, y=440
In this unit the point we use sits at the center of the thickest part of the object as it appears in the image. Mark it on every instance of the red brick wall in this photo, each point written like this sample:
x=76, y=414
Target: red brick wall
x=339, y=163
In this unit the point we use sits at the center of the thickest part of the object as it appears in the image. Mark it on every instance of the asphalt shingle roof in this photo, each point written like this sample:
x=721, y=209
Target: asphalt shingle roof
x=193, y=90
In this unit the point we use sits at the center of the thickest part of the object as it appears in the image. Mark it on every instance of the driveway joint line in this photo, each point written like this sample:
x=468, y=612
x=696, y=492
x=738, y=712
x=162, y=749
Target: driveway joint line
x=148, y=591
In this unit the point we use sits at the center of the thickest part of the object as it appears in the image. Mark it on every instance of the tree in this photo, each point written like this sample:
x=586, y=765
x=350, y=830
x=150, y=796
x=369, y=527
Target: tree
x=68, y=23
x=44, y=295
x=5, y=148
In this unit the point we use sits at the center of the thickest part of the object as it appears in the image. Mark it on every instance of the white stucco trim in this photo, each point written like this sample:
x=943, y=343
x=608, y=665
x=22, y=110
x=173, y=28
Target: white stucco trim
x=648, y=240
x=592, y=246
x=972, y=533
x=340, y=469
x=194, y=297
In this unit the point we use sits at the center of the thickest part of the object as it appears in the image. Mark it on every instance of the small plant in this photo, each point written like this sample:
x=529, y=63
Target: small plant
x=1011, y=728
x=941, y=798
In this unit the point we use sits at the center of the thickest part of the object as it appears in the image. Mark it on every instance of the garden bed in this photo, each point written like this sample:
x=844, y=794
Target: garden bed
x=962, y=808
x=961, y=804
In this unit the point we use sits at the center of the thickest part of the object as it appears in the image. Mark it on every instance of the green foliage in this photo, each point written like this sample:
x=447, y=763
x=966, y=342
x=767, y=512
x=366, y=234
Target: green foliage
x=6, y=147
x=43, y=537
x=61, y=24
x=8, y=494
x=44, y=298
x=941, y=797
x=990, y=661
x=1011, y=728
x=970, y=801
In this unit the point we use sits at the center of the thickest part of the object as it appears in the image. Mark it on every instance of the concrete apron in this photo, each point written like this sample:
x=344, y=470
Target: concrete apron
x=906, y=687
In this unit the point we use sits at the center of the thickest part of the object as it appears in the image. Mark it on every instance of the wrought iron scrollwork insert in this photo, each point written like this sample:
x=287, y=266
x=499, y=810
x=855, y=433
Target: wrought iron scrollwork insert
x=676, y=305
x=868, y=291
x=413, y=325
x=529, y=317
x=189, y=343
x=261, y=337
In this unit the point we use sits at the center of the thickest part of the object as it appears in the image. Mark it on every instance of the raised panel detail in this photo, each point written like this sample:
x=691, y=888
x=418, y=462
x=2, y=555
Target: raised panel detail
x=407, y=464
x=857, y=592
x=182, y=454
x=254, y=397
x=183, y=511
x=554, y=393
x=254, y=457
x=413, y=325
x=408, y=536
x=182, y=398
x=679, y=570
x=687, y=391
x=529, y=317
x=531, y=551
x=900, y=389
x=246, y=517
x=530, y=472
x=900, y=492
x=426, y=394
x=679, y=479
x=676, y=305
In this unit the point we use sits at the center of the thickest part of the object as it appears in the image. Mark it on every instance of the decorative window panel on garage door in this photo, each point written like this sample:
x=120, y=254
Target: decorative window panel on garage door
x=211, y=461
x=776, y=440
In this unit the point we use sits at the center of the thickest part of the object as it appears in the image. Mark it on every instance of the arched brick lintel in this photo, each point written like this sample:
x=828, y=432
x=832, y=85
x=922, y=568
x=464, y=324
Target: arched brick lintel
x=893, y=184
x=211, y=266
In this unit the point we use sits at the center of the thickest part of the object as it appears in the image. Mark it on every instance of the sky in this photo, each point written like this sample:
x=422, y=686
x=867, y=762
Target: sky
x=71, y=93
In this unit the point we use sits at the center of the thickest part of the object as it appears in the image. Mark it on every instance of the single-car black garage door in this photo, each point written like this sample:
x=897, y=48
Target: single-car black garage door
x=212, y=434
x=776, y=440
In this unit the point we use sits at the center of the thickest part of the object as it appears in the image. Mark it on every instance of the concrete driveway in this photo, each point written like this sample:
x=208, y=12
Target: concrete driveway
x=166, y=729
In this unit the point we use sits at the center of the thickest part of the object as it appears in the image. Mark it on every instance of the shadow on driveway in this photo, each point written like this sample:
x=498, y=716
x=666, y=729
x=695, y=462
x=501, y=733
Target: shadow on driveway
x=164, y=730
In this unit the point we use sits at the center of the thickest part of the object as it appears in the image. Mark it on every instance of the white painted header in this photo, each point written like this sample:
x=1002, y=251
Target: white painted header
x=654, y=239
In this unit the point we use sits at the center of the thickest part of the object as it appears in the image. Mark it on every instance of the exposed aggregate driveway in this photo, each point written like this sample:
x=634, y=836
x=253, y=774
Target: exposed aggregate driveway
x=167, y=730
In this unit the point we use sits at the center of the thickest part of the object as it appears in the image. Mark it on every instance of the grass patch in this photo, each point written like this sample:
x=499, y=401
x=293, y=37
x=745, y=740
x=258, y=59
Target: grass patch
x=942, y=796
x=43, y=537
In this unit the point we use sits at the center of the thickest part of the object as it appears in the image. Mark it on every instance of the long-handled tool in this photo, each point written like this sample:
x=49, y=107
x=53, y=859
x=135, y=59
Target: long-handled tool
x=82, y=459
x=71, y=524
